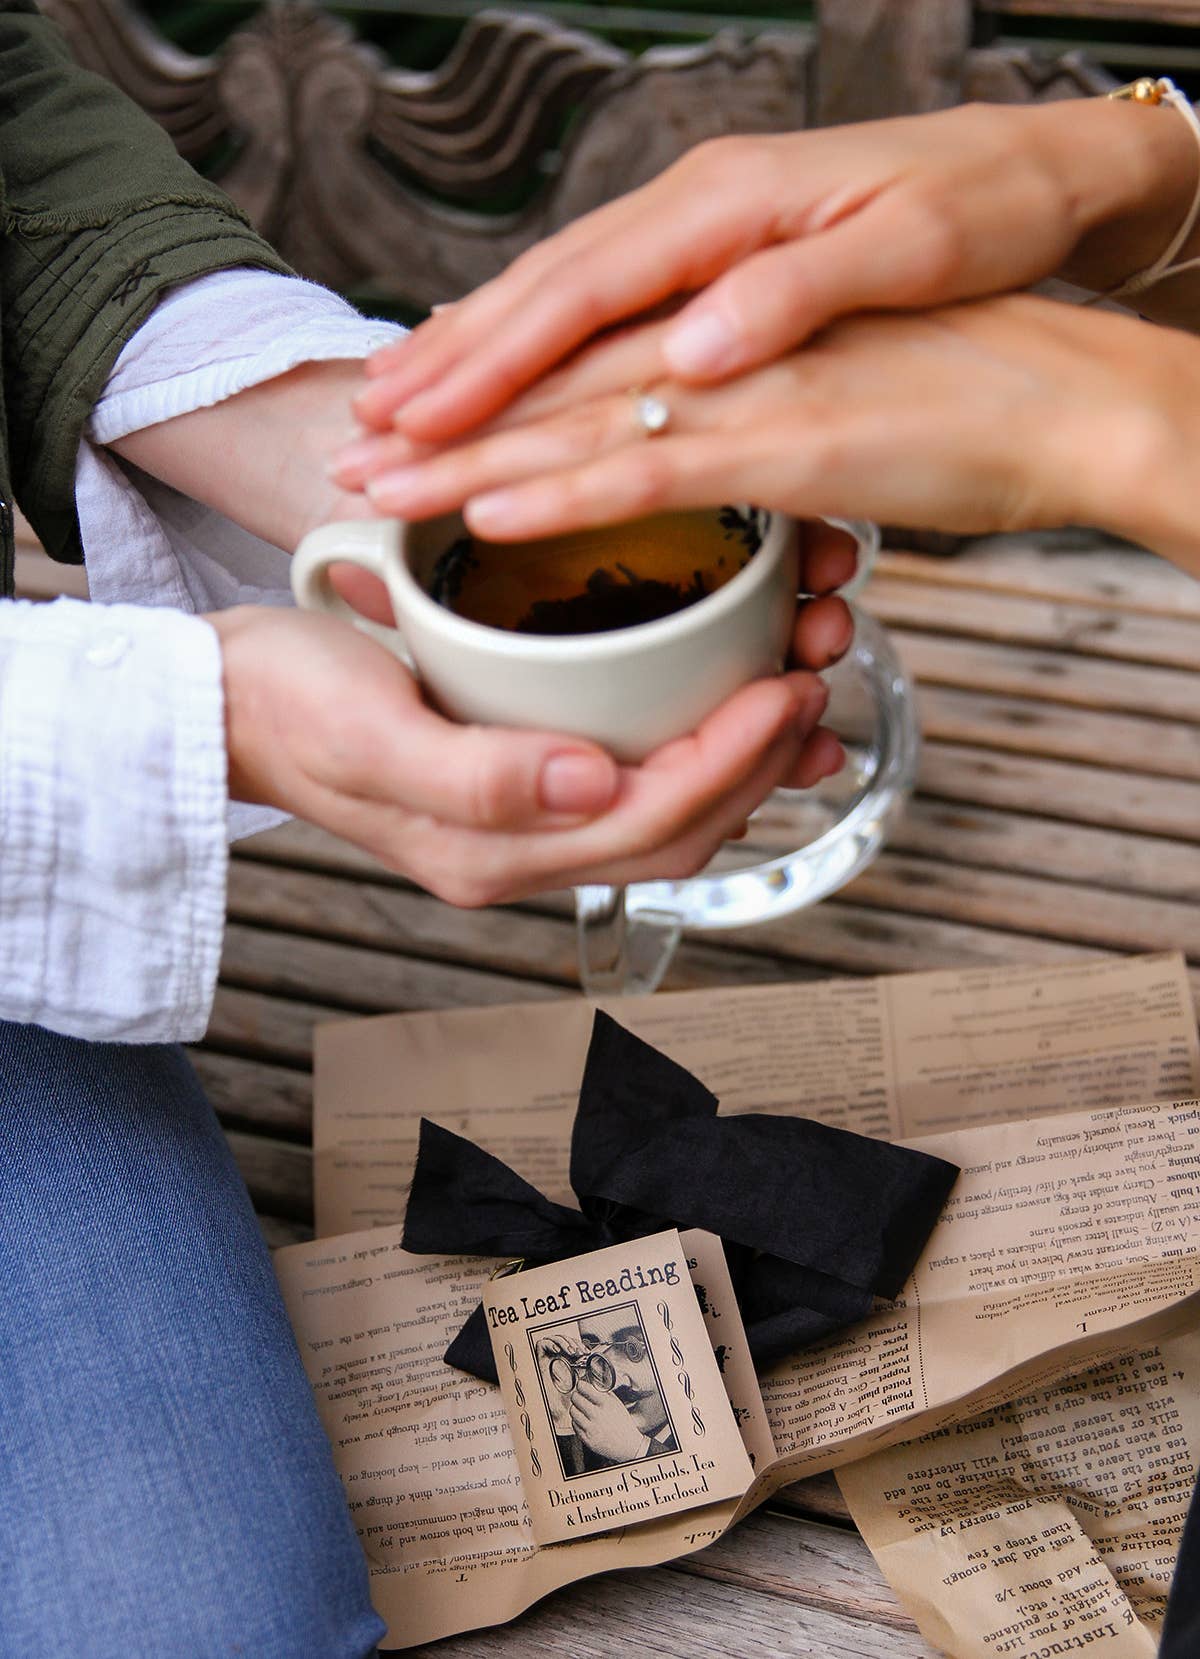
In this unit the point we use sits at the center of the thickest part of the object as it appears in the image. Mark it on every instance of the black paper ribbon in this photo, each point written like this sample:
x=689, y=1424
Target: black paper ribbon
x=816, y=1221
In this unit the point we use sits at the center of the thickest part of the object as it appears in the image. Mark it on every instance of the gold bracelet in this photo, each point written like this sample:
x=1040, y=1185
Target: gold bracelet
x=1147, y=89
x=1150, y=89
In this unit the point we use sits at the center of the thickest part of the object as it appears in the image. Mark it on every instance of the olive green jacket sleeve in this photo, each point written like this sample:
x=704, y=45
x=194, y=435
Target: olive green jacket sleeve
x=99, y=216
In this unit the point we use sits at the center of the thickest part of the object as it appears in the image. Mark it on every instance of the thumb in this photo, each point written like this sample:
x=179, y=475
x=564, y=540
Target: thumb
x=491, y=777
x=363, y=592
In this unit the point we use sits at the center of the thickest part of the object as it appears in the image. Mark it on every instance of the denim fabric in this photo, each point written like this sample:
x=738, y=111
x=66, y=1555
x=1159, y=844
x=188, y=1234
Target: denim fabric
x=166, y=1489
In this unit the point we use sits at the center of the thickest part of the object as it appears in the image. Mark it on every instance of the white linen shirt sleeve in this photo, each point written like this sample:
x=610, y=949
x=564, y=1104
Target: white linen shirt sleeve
x=112, y=804
x=113, y=810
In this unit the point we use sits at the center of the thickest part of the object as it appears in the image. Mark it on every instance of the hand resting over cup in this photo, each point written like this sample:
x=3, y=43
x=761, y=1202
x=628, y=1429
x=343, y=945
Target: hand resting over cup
x=767, y=239
x=1001, y=414
x=328, y=725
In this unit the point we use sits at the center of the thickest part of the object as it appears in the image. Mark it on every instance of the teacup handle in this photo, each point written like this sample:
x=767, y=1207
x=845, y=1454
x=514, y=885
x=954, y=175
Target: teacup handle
x=621, y=954
x=367, y=544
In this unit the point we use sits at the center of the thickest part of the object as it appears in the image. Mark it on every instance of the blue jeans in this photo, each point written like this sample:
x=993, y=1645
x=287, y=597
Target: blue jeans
x=166, y=1489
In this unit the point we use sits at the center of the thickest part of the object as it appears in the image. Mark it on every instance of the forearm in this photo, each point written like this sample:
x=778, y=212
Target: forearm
x=260, y=456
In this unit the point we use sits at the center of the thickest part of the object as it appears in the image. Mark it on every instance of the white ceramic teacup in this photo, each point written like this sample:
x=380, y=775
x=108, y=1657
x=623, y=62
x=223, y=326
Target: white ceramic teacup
x=640, y=686
x=630, y=690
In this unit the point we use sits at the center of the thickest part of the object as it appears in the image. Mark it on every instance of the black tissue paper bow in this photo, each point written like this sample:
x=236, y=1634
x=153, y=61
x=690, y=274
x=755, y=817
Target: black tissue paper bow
x=816, y=1221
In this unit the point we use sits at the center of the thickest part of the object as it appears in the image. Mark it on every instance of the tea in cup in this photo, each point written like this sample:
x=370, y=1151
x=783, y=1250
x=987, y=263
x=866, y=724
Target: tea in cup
x=593, y=581
x=629, y=635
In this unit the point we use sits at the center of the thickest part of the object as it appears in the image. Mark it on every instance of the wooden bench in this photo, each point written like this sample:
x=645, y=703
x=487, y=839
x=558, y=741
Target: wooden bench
x=378, y=180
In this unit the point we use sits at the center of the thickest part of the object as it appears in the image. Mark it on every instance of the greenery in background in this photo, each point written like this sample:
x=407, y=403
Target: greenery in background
x=422, y=41
x=418, y=41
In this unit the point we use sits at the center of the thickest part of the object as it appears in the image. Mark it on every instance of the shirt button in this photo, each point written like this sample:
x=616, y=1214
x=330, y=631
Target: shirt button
x=107, y=651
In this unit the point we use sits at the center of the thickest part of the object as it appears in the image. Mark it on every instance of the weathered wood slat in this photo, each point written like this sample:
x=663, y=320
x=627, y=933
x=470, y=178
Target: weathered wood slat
x=858, y=939
x=910, y=912
x=36, y=576
x=970, y=836
x=266, y=1027
x=1160, y=747
x=1090, y=630
x=359, y=980
x=819, y=1496
x=277, y=1231
x=1064, y=789
x=400, y=920
x=976, y=837
x=1080, y=572
x=511, y=941
x=278, y=1174
x=307, y=847
x=690, y=1609
x=977, y=853
x=878, y=59
x=1026, y=904
x=254, y=1094
x=801, y=1562
x=1053, y=677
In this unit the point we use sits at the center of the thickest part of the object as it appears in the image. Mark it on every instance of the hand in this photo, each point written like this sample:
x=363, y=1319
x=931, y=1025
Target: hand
x=1005, y=414
x=604, y=1425
x=326, y=724
x=559, y=1404
x=777, y=236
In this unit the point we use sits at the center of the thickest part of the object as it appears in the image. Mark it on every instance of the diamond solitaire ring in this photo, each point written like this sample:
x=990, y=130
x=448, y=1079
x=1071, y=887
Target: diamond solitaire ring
x=651, y=414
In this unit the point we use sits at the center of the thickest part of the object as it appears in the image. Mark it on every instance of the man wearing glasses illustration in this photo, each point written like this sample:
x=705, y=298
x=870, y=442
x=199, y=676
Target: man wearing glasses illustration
x=604, y=1396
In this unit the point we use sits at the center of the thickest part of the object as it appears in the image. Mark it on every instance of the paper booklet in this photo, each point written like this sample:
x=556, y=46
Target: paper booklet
x=615, y=1398
x=1066, y=1242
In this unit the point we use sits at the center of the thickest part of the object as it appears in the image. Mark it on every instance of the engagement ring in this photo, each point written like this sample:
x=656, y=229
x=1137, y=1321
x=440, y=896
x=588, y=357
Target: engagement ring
x=651, y=413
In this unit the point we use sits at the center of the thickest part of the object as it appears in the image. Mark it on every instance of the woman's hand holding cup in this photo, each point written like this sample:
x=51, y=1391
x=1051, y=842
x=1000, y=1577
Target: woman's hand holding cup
x=480, y=815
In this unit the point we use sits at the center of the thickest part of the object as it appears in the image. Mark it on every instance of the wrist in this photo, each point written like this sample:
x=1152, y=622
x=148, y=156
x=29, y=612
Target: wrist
x=233, y=629
x=1138, y=460
x=1128, y=173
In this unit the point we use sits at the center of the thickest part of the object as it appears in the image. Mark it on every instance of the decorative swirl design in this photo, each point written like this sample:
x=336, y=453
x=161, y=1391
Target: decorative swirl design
x=535, y=1461
x=681, y=1376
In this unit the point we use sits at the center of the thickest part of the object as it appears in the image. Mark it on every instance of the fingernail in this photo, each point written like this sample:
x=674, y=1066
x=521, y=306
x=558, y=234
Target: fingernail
x=386, y=357
x=836, y=760
x=494, y=511
x=700, y=345
x=844, y=636
x=374, y=407
x=352, y=460
x=416, y=407
x=397, y=490
x=575, y=782
x=813, y=703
